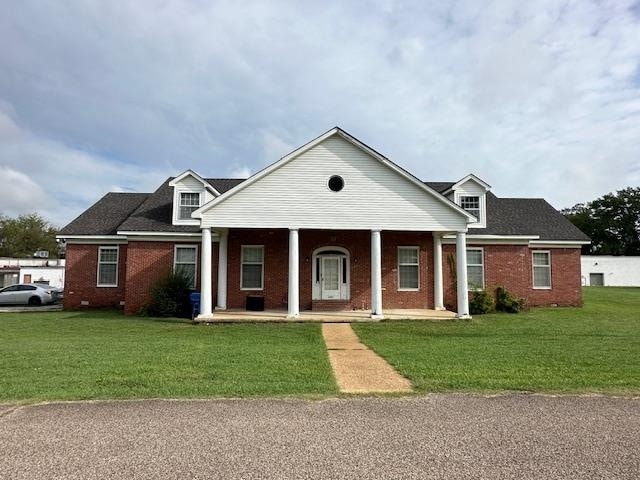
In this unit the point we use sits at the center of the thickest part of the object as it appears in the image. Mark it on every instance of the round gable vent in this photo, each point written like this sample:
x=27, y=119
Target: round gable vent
x=336, y=183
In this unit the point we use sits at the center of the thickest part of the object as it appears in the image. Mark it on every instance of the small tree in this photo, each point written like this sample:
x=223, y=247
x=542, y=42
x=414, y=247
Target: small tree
x=23, y=236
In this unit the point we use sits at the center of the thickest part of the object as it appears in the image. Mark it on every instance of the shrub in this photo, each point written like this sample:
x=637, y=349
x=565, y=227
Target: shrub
x=170, y=297
x=506, y=302
x=482, y=302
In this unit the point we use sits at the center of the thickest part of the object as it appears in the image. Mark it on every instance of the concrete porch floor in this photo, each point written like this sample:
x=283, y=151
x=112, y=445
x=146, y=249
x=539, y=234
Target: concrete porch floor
x=232, y=316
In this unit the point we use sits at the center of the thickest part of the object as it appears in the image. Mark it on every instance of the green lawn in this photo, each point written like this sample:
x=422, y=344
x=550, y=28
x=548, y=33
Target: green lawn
x=60, y=355
x=590, y=349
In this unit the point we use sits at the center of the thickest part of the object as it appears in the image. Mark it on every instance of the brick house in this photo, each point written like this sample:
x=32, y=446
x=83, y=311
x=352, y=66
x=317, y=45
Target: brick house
x=334, y=225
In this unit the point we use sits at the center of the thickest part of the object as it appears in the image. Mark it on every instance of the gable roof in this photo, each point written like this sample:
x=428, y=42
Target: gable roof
x=191, y=173
x=357, y=143
x=471, y=177
x=105, y=216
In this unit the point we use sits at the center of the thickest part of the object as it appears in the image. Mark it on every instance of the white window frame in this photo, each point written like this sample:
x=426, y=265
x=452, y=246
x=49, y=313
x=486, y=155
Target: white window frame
x=408, y=247
x=533, y=267
x=175, y=260
x=187, y=192
x=242, y=264
x=479, y=197
x=117, y=262
x=482, y=287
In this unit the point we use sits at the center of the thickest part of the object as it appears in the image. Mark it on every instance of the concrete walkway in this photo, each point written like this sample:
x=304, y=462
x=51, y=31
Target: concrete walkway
x=357, y=368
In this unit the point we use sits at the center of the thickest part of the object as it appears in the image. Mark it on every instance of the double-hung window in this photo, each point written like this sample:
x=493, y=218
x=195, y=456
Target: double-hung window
x=108, y=266
x=471, y=204
x=541, y=269
x=189, y=203
x=475, y=268
x=408, y=268
x=252, y=269
x=185, y=262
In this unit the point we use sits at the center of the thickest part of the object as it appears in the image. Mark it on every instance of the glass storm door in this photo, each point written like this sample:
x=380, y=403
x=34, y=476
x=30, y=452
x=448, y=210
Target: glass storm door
x=330, y=278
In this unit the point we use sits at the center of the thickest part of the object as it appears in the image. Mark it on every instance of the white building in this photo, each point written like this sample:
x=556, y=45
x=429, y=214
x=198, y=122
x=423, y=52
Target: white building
x=610, y=271
x=31, y=270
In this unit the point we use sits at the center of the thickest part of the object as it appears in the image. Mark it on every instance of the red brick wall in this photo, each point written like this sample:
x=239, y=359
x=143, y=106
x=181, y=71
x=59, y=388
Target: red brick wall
x=149, y=262
x=358, y=243
x=81, y=270
x=511, y=266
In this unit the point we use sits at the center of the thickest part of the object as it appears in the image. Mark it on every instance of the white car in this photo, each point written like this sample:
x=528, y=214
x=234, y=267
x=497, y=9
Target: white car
x=29, y=294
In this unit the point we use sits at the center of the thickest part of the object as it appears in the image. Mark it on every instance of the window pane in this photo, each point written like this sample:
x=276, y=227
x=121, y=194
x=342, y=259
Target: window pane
x=185, y=212
x=541, y=277
x=540, y=258
x=108, y=255
x=189, y=271
x=251, y=276
x=107, y=274
x=185, y=255
x=252, y=255
x=474, y=276
x=407, y=255
x=409, y=275
x=190, y=199
x=474, y=257
x=470, y=202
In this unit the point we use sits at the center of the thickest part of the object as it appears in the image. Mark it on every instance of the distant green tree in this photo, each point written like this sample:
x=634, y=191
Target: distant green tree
x=612, y=221
x=23, y=236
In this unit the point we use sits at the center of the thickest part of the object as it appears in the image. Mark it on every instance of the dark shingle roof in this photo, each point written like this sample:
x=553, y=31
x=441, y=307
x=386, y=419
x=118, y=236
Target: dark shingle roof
x=527, y=216
x=155, y=214
x=105, y=216
x=440, y=186
x=152, y=212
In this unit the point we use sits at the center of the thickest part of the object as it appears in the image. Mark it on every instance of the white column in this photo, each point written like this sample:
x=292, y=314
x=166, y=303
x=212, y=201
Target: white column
x=205, y=275
x=294, y=269
x=438, y=289
x=461, y=274
x=376, y=275
x=223, y=235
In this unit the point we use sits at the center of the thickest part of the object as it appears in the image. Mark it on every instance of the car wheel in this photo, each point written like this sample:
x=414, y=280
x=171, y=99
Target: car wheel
x=35, y=302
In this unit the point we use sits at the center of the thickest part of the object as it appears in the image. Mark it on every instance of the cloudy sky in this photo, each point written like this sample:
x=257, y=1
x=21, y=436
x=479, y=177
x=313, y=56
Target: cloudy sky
x=537, y=98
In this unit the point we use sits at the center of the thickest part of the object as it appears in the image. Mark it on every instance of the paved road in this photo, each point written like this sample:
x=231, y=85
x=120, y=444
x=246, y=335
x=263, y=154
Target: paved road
x=437, y=436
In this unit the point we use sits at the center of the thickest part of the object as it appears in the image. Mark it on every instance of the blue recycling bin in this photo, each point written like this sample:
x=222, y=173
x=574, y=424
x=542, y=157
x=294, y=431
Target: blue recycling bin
x=195, y=305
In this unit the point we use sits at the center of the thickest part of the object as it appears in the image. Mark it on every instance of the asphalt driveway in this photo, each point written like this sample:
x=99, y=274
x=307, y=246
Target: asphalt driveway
x=436, y=436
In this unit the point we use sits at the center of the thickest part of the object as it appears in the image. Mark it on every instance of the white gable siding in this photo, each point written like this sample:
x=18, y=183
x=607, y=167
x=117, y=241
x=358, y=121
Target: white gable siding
x=471, y=188
x=189, y=184
x=296, y=195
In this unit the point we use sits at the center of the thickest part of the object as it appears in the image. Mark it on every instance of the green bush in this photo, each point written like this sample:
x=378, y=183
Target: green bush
x=170, y=297
x=482, y=302
x=506, y=302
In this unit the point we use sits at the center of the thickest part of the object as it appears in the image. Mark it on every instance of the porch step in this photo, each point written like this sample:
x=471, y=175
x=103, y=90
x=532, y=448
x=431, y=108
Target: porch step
x=330, y=305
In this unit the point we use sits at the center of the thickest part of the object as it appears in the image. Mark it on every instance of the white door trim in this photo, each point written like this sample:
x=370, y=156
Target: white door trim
x=344, y=268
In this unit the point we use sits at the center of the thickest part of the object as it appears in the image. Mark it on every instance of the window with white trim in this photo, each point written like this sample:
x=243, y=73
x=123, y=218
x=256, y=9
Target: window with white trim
x=475, y=268
x=189, y=203
x=185, y=262
x=471, y=204
x=108, y=266
x=252, y=268
x=408, y=268
x=541, y=269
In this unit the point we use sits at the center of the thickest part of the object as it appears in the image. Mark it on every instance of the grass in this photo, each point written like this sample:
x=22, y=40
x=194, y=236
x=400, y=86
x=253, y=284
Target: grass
x=93, y=355
x=565, y=350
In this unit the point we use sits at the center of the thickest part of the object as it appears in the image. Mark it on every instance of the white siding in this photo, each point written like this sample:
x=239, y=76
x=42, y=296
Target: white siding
x=54, y=275
x=471, y=188
x=297, y=195
x=617, y=271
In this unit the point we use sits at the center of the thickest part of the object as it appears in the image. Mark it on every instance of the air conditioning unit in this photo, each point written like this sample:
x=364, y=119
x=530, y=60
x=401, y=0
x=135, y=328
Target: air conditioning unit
x=41, y=254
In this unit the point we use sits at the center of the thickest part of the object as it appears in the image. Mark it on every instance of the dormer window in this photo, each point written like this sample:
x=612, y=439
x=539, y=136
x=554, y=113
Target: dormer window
x=189, y=203
x=471, y=204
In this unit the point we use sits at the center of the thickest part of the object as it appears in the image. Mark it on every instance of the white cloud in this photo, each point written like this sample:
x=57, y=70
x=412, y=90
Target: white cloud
x=538, y=98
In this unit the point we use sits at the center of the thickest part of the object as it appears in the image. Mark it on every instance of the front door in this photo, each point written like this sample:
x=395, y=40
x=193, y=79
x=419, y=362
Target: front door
x=330, y=278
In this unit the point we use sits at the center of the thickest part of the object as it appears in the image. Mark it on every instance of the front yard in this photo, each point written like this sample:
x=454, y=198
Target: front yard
x=591, y=349
x=73, y=355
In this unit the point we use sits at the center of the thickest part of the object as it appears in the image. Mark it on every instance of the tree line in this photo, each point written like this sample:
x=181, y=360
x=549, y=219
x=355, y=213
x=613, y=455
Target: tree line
x=24, y=235
x=611, y=221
